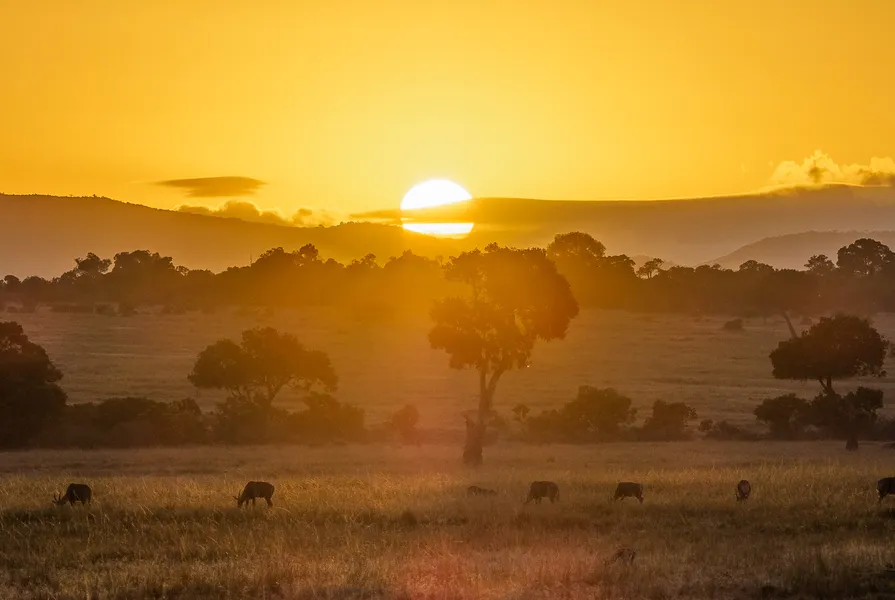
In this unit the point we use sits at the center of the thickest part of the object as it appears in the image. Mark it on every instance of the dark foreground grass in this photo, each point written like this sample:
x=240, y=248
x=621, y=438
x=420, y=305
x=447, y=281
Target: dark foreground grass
x=374, y=522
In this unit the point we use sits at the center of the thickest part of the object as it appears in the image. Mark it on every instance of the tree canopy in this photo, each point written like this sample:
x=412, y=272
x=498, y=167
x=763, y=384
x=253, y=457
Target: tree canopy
x=30, y=396
x=512, y=299
x=838, y=347
x=261, y=365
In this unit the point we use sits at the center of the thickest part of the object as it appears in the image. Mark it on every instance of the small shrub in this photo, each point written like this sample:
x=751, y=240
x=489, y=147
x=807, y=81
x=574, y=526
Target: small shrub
x=126, y=309
x=733, y=325
x=105, y=310
x=408, y=519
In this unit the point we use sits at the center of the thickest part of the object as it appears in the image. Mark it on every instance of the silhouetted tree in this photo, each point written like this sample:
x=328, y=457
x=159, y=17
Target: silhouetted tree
x=404, y=422
x=30, y=396
x=259, y=367
x=650, y=268
x=839, y=347
x=865, y=257
x=514, y=298
x=820, y=265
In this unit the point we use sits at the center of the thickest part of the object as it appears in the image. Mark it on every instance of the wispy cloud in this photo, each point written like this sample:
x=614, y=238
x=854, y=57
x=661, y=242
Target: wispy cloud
x=249, y=211
x=820, y=168
x=216, y=187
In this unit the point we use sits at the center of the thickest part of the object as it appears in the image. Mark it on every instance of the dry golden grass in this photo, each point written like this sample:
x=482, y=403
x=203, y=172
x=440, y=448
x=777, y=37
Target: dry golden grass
x=382, y=367
x=390, y=522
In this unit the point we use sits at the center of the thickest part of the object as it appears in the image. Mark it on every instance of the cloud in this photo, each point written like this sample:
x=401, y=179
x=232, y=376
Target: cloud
x=820, y=168
x=216, y=187
x=249, y=211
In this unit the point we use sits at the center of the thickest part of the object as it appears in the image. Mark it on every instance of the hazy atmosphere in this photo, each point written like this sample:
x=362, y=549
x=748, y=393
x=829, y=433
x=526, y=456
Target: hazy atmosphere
x=447, y=300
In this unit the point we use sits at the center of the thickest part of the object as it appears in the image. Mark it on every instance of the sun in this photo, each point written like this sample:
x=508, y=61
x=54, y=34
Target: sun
x=435, y=192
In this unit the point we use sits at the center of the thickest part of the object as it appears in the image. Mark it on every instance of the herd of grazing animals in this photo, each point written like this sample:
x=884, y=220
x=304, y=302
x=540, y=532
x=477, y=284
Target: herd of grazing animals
x=81, y=492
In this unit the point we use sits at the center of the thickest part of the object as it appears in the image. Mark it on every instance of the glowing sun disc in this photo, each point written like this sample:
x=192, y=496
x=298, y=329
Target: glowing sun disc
x=440, y=229
x=434, y=192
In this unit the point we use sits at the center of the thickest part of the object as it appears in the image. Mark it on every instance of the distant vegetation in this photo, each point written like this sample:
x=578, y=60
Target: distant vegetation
x=488, y=309
x=859, y=280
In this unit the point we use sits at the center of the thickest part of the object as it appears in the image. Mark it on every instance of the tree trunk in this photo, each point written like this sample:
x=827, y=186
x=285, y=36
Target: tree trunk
x=472, y=450
x=475, y=430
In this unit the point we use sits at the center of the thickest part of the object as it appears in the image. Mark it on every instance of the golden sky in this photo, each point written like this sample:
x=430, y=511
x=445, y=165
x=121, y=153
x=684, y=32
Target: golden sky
x=347, y=104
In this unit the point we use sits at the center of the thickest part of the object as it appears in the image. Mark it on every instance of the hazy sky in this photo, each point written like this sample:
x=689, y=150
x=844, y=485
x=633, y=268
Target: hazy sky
x=345, y=105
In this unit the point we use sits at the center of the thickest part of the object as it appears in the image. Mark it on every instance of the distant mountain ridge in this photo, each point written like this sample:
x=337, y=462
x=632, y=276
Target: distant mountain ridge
x=43, y=234
x=686, y=232
x=793, y=251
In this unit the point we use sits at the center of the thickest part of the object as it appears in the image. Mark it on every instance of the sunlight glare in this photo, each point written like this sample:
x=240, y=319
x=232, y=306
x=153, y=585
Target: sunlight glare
x=436, y=192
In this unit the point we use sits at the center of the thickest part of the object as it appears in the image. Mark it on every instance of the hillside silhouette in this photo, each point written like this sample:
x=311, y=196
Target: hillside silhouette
x=685, y=231
x=789, y=251
x=43, y=233
x=51, y=230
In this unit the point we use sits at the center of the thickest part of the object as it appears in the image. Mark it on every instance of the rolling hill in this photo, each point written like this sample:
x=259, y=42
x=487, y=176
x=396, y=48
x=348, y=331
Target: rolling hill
x=687, y=232
x=43, y=234
x=792, y=251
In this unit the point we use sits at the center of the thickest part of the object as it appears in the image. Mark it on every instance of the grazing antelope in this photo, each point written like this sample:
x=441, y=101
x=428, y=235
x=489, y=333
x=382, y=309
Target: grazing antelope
x=255, y=489
x=622, y=555
x=475, y=490
x=541, y=489
x=744, y=488
x=628, y=489
x=76, y=492
x=885, y=486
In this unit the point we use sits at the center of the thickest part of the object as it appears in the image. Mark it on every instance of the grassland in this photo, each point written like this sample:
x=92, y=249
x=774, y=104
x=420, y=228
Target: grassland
x=391, y=522
x=384, y=366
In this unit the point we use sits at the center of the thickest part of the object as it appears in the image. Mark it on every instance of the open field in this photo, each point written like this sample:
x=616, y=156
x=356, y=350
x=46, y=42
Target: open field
x=385, y=366
x=391, y=522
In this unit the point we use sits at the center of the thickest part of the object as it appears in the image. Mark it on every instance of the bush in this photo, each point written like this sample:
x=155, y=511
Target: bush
x=733, y=325
x=668, y=421
x=404, y=423
x=72, y=308
x=786, y=416
x=724, y=431
x=127, y=423
x=104, y=309
x=595, y=415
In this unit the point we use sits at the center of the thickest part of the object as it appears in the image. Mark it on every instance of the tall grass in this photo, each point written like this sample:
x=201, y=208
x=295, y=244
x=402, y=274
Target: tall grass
x=385, y=522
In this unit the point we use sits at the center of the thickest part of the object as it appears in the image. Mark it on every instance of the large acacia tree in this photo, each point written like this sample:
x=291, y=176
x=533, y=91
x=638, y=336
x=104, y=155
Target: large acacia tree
x=261, y=365
x=835, y=348
x=253, y=372
x=511, y=299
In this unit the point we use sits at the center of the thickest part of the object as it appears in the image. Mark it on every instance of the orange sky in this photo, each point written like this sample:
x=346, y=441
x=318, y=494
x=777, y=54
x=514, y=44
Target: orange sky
x=345, y=105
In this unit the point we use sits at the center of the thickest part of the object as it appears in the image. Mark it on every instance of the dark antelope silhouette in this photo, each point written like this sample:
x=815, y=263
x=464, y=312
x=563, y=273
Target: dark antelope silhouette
x=475, y=490
x=624, y=555
x=885, y=486
x=76, y=492
x=542, y=489
x=744, y=488
x=253, y=490
x=628, y=489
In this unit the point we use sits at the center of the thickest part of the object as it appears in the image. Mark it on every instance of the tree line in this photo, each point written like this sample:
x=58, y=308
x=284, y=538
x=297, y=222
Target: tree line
x=859, y=280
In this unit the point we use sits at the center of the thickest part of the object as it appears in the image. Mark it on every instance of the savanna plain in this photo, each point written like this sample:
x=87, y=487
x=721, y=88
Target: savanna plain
x=392, y=522
x=388, y=521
